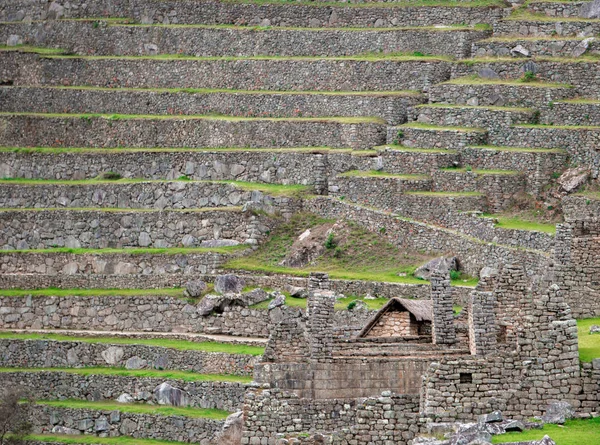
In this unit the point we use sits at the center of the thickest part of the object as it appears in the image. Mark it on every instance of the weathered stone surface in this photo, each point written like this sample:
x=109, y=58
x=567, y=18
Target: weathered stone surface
x=195, y=288
x=573, y=178
x=278, y=301
x=136, y=363
x=442, y=264
x=229, y=284
x=166, y=394
x=64, y=430
x=590, y=10
x=125, y=398
x=113, y=355
x=594, y=329
x=297, y=292
x=558, y=412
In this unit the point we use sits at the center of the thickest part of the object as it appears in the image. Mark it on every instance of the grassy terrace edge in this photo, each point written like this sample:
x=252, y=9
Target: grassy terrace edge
x=139, y=373
x=180, y=345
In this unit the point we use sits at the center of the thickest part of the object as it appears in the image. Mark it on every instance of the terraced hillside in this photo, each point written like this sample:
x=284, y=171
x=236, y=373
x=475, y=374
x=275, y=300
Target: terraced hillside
x=148, y=143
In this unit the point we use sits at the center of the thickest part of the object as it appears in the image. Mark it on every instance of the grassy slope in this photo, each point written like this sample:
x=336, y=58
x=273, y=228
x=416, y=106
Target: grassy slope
x=138, y=408
x=589, y=345
x=93, y=440
x=522, y=224
x=574, y=432
x=165, y=375
x=181, y=345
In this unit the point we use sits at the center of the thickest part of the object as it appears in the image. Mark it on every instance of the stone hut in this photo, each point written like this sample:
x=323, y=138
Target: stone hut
x=400, y=318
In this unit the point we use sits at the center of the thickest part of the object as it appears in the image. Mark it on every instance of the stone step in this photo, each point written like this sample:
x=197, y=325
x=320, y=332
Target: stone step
x=376, y=188
x=47, y=349
x=572, y=112
x=221, y=392
x=124, y=263
x=538, y=163
x=98, y=37
x=534, y=26
x=397, y=159
x=121, y=228
x=259, y=14
x=390, y=106
x=426, y=136
x=577, y=73
x=535, y=46
x=356, y=73
x=90, y=130
x=556, y=8
x=484, y=92
x=106, y=311
x=492, y=118
x=499, y=186
x=143, y=194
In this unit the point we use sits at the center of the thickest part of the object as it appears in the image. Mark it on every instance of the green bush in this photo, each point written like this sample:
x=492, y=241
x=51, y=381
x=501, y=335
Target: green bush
x=529, y=76
x=352, y=305
x=330, y=241
x=455, y=275
x=112, y=176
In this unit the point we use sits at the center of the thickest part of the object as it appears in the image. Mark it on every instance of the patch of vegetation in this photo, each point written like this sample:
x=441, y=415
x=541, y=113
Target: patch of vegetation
x=515, y=223
x=140, y=373
x=573, y=432
x=137, y=408
x=476, y=80
x=432, y=127
x=181, y=345
x=589, y=344
x=361, y=255
x=95, y=440
x=382, y=174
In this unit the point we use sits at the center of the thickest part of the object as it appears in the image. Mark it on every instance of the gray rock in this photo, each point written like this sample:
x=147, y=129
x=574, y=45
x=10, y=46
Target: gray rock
x=219, y=243
x=64, y=430
x=296, y=292
x=165, y=394
x=55, y=11
x=125, y=398
x=161, y=362
x=112, y=355
x=594, y=329
x=255, y=296
x=101, y=424
x=14, y=40
x=72, y=357
x=314, y=23
x=188, y=241
x=474, y=438
x=590, y=10
x=379, y=23
x=278, y=301
x=488, y=73
x=573, y=178
x=207, y=304
x=495, y=416
x=144, y=240
x=70, y=268
x=558, y=412
x=135, y=362
x=195, y=288
x=85, y=424
x=545, y=441
x=520, y=50
x=232, y=429
x=128, y=427
x=530, y=67
x=151, y=49
x=115, y=416
x=229, y=284
x=582, y=47
x=445, y=264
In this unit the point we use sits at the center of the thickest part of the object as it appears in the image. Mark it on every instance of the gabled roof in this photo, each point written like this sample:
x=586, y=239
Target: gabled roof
x=422, y=310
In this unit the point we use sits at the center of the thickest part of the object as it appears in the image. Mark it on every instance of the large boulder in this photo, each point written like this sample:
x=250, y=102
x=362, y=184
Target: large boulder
x=590, y=10
x=229, y=284
x=296, y=292
x=558, y=412
x=195, y=288
x=64, y=430
x=232, y=429
x=165, y=394
x=125, y=398
x=217, y=303
x=594, y=329
x=278, y=301
x=572, y=179
x=113, y=355
x=255, y=296
x=443, y=264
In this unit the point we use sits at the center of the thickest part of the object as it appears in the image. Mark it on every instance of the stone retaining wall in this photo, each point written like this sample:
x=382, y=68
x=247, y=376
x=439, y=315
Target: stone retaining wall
x=405, y=233
x=15, y=353
x=391, y=107
x=537, y=28
x=550, y=48
x=33, y=229
x=48, y=385
x=577, y=113
x=180, y=132
x=435, y=138
x=139, y=195
x=215, y=12
x=101, y=38
x=245, y=74
x=118, y=423
x=556, y=9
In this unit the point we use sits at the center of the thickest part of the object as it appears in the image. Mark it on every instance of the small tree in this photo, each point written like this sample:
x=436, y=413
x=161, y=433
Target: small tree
x=14, y=416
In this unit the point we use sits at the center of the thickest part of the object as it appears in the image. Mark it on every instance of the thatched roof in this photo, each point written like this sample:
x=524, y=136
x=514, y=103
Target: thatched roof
x=422, y=310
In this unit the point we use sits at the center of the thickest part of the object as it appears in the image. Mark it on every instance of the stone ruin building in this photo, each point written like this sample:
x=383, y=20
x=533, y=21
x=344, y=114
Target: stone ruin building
x=146, y=145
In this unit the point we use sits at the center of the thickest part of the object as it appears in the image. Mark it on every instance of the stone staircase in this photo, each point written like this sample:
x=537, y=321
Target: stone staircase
x=415, y=120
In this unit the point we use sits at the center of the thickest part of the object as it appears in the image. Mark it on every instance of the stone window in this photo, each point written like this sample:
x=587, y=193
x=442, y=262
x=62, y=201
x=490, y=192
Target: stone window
x=466, y=377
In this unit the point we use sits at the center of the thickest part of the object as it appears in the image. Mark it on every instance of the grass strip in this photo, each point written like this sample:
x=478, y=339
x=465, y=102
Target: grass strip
x=573, y=432
x=475, y=107
x=504, y=222
x=131, y=251
x=382, y=174
x=217, y=117
x=446, y=194
x=589, y=344
x=121, y=210
x=55, y=292
x=95, y=440
x=403, y=149
x=140, y=373
x=476, y=80
x=137, y=408
x=422, y=126
x=180, y=345
x=518, y=149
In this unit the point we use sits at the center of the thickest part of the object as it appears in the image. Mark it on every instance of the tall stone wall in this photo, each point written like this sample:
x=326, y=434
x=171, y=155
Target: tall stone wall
x=443, y=330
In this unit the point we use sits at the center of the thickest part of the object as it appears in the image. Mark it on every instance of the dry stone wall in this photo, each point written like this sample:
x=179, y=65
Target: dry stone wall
x=119, y=423
x=15, y=353
x=48, y=385
x=43, y=229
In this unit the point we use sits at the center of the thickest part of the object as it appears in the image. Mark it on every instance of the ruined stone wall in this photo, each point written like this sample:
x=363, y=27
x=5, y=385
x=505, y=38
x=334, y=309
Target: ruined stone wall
x=394, y=324
x=66, y=385
x=43, y=229
x=119, y=423
x=16, y=353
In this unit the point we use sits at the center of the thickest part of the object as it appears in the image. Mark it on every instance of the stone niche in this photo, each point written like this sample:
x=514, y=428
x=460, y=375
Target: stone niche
x=400, y=318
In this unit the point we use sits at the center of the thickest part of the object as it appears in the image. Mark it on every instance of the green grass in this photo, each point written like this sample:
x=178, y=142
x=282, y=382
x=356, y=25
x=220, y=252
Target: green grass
x=55, y=292
x=121, y=210
x=32, y=49
x=519, y=149
x=137, y=408
x=423, y=126
x=559, y=127
x=574, y=432
x=218, y=117
x=589, y=344
x=181, y=345
x=445, y=194
x=402, y=148
x=382, y=174
x=140, y=373
x=520, y=224
x=132, y=251
x=95, y=440
x=360, y=254
x=481, y=171
x=476, y=107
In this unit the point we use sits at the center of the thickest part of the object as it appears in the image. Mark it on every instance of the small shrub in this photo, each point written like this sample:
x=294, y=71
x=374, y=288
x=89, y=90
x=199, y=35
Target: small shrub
x=184, y=178
x=528, y=76
x=555, y=175
x=330, y=241
x=382, y=230
x=352, y=305
x=469, y=168
x=95, y=24
x=111, y=176
x=551, y=105
x=338, y=252
x=418, y=54
x=454, y=275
